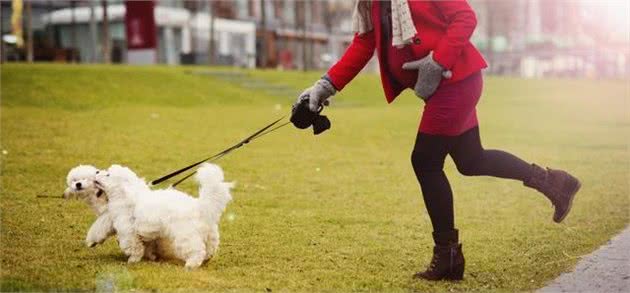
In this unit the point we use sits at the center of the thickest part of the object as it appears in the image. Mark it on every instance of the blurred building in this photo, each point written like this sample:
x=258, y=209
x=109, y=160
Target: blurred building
x=537, y=38
x=530, y=38
x=290, y=34
x=178, y=33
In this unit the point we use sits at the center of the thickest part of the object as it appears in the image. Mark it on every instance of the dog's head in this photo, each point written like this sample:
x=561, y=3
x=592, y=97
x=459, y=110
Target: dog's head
x=81, y=185
x=118, y=180
x=80, y=181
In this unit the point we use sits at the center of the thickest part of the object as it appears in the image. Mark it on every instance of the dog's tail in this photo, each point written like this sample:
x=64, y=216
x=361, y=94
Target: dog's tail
x=214, y=193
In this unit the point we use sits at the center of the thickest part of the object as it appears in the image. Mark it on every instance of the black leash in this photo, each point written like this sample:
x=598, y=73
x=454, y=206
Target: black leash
x=221, y=155
x=262, y=132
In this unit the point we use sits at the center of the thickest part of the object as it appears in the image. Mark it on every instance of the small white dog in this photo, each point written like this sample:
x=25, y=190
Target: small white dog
x=80, y=181
x=185, y=227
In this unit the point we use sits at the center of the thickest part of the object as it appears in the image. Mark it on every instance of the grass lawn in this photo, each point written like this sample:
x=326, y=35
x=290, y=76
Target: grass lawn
x=337, y=212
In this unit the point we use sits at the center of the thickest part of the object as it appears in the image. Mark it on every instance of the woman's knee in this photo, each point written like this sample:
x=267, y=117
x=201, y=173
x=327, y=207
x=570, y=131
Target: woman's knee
x=466, y=169
x=469, y=167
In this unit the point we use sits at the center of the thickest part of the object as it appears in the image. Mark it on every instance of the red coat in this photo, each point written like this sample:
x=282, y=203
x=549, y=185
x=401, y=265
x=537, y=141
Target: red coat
x=443, y=27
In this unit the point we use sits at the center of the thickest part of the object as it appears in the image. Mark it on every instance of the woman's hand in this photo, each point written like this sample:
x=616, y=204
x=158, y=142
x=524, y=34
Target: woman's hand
x=430, y=74
x=317, y=95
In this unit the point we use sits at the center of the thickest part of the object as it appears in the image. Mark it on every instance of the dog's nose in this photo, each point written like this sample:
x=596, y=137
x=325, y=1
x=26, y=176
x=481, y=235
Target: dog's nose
x=78, y=185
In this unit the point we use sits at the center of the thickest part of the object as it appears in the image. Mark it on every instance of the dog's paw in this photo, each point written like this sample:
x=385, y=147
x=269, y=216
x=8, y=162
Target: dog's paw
x=91, y=242
x=134, y=259
x=190, y=267
x=192, y=264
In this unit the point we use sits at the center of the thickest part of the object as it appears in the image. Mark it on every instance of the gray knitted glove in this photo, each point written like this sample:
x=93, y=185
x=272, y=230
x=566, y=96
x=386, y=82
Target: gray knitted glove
x=430, y=74
x=318, y=94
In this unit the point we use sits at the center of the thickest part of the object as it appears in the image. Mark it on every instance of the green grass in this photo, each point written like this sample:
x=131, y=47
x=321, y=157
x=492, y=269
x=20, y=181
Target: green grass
x=337, y=212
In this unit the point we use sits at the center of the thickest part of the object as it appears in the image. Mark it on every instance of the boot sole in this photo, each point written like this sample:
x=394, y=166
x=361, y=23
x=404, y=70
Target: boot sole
x=578, y=185
x=456, y=275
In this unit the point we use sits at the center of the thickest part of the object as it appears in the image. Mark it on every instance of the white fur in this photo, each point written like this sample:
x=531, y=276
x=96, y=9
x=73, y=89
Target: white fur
x=185, y=227
x=80, y=181
x=97, y=199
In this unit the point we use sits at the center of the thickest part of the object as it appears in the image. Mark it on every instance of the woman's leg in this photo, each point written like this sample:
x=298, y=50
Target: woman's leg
x=472, y=159
x=427, y=159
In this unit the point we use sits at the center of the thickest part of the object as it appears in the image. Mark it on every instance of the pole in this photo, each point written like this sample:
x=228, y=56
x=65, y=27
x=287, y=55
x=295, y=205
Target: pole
x=106, y=55
x=1, y=35
x=490, y=9
x=73, y=27
x=263, y=35
x=29, y=33
x=93, y=32
x=50, y=33
x=211, y=9
x=304, y=42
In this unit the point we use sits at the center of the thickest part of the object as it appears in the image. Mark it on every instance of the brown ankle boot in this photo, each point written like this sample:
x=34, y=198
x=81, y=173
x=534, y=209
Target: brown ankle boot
x=448, y=260
x=558, y=186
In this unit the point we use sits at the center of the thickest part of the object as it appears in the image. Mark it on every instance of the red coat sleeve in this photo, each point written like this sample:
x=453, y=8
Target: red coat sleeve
x=353, y=60
x=461, y=21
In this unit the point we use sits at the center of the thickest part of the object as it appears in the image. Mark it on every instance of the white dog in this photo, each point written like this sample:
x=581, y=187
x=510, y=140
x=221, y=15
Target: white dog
x=80, y=183
x=185, y=227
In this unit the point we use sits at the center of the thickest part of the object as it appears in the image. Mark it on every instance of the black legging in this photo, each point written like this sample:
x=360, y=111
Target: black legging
x=470, y=158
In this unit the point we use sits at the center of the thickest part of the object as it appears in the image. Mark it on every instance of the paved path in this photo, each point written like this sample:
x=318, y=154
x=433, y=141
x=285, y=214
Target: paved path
x=605, y=270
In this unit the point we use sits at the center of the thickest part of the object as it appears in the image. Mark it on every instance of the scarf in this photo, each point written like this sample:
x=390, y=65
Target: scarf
x=403, y=29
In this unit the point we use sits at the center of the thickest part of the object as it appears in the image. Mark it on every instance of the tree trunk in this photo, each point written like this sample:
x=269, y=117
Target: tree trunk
x=490, y=7
x=211, y=8
x=50, y=29
x=29, y=32
x=300, y=28
x=263, y=35
x=105, y=44
x=1, y=34
x=93, y=32
x=304, y=37
x=73, y=29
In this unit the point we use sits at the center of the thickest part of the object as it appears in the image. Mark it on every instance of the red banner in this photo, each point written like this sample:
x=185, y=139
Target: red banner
x=140, y=25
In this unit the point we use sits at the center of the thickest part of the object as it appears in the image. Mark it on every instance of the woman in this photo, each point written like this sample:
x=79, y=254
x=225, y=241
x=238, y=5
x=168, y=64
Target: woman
x=425, y=46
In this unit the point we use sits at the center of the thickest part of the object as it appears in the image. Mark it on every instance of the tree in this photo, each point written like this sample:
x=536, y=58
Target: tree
x=106, y=55
x=212, y=9
x=73, y=28
x=29, y=32
x=93, y=32
x=263, y=35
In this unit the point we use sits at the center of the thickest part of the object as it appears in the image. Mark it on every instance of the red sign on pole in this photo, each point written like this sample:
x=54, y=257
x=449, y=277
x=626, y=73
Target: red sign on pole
x=141, y=31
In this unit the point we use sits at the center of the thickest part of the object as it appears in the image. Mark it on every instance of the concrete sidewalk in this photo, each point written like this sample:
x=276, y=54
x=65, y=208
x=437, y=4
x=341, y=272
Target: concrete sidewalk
x=605, y=270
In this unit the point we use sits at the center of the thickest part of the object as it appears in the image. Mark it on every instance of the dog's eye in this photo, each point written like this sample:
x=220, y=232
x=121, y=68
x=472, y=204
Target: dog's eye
x=98, y=172
x=107, y=175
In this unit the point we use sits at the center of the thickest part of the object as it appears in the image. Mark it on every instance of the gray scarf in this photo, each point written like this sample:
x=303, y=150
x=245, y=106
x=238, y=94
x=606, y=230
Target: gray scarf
x=403, y=29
